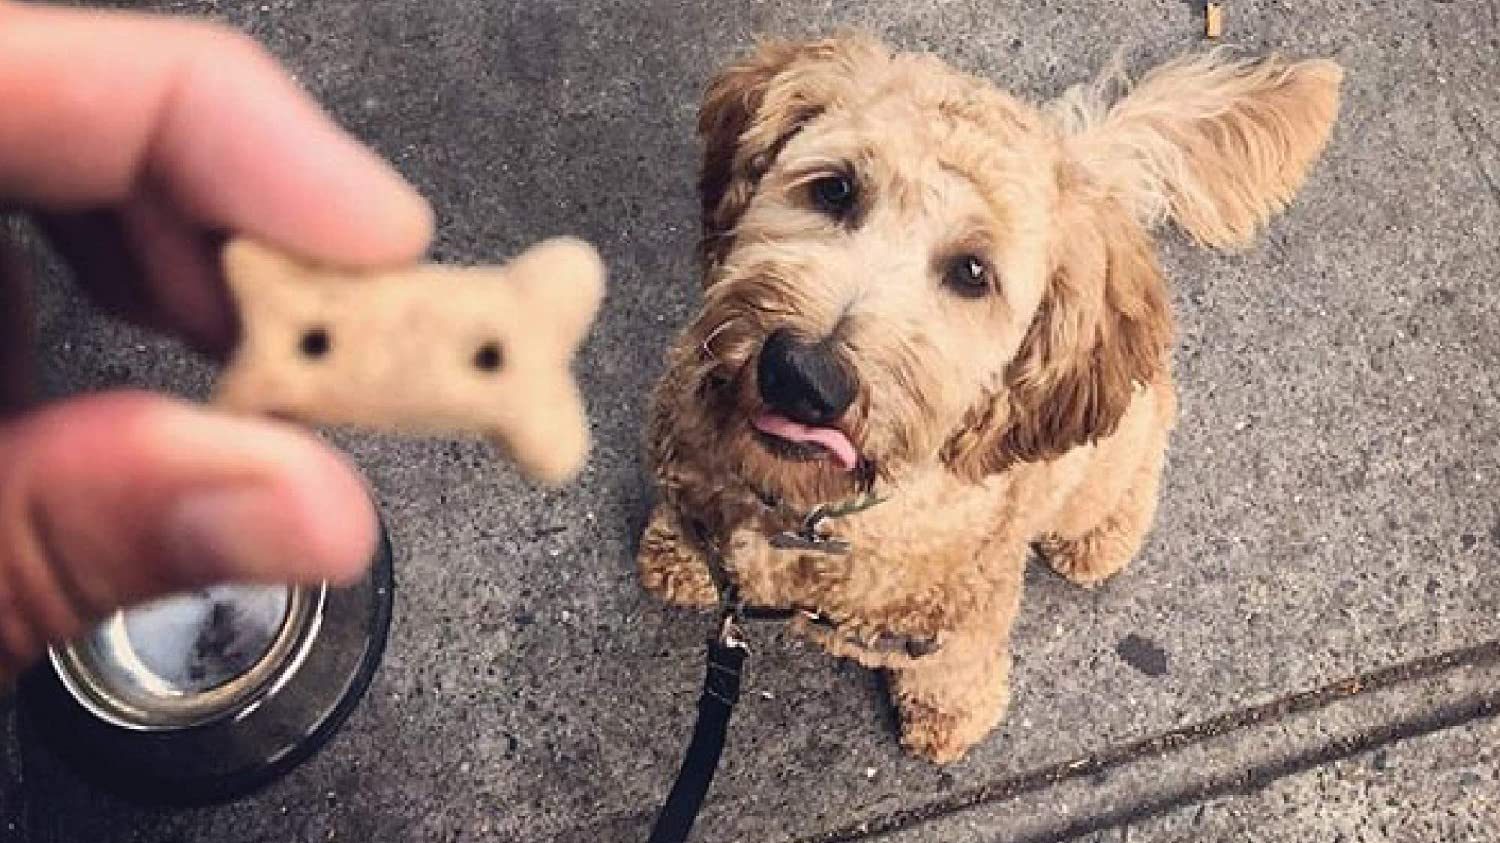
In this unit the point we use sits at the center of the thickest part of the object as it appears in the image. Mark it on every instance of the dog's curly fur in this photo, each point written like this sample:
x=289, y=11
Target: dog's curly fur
x=1035, y=416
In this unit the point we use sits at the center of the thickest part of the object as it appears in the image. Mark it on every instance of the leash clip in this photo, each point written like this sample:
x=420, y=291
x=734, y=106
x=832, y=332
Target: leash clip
x=730, y=634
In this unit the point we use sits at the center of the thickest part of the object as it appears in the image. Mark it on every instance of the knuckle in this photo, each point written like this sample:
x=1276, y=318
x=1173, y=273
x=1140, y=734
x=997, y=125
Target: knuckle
x=226, y=46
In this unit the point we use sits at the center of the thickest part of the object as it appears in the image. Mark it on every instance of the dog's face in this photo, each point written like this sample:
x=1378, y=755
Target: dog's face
x=906, y=270
x=877, y=283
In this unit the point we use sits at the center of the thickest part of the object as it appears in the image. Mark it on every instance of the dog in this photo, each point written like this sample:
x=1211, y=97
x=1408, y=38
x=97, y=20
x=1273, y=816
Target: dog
x=935, y=336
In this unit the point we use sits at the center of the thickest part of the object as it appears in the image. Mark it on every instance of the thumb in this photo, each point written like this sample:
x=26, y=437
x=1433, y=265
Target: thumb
x=110, y=500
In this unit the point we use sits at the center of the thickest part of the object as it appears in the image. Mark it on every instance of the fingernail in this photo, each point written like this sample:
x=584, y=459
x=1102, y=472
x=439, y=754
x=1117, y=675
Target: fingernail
x=226, y=534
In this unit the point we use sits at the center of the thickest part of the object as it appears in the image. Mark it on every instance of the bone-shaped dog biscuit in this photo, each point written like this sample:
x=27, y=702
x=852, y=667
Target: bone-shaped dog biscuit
x=430, y=349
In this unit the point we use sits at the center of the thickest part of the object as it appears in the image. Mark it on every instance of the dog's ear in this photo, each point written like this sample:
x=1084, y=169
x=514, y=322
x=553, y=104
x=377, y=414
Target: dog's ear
x=1216, y=144
x=1103, y=328
x=753, y=107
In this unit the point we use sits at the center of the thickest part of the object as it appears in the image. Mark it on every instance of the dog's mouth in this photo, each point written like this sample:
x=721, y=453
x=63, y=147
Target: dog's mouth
x=804, y=443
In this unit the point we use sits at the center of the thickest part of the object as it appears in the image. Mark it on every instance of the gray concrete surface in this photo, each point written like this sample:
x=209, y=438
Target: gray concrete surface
x=1331, y=506
x=1444, y=786
x=1241, y=758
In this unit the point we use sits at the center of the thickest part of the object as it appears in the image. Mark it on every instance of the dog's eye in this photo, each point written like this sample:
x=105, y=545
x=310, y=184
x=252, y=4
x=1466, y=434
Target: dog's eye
x=968, y=276
x=833, y=195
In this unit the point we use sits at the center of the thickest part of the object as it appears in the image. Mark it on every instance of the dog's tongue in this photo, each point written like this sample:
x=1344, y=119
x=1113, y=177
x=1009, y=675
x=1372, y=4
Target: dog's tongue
x=832, y=440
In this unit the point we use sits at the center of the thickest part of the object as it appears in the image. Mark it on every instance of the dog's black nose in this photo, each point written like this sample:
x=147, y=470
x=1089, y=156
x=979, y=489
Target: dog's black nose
x=803, y=381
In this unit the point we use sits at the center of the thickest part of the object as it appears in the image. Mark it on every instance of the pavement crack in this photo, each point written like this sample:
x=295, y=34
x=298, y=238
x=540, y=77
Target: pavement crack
x=1000, y=790
x=1470, y=130
x=1259, y=776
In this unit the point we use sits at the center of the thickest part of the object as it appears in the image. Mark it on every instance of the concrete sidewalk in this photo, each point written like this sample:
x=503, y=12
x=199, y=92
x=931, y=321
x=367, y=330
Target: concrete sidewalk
x=1309, y=648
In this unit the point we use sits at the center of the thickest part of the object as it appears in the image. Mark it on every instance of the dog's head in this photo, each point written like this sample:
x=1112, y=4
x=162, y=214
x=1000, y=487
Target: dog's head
x=906, y=269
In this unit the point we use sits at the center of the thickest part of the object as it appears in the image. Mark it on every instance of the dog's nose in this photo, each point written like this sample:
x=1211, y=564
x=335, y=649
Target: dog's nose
x=803, y=381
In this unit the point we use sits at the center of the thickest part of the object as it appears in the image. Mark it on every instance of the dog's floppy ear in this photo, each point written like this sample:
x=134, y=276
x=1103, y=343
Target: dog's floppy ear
x=1103, y=328
x=753, y=107
x=1215, y=143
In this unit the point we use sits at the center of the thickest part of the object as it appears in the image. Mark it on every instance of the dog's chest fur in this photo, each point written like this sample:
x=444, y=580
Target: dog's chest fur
x=909, y=569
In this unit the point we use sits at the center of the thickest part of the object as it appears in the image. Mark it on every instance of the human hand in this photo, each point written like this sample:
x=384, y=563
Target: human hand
x=137, y=142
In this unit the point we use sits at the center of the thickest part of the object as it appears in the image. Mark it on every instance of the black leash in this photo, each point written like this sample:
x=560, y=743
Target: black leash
x=726, y=658
x=721, y=690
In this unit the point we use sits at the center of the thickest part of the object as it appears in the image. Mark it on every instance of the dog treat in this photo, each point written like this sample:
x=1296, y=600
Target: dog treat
x=1214, y=25
x=426, y=350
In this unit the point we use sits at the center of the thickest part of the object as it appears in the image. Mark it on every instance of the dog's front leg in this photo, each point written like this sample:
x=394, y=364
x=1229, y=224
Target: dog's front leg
x=951, y=699
x=671, y=562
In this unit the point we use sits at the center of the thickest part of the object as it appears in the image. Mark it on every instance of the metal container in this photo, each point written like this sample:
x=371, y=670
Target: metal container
x=208, y=696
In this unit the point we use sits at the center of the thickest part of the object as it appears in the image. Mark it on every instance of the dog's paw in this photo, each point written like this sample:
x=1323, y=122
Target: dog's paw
x=938, y=736
x=950, y=705
x=677, y=580
x=671, y=567
x=1087, y=561
x=688, y=588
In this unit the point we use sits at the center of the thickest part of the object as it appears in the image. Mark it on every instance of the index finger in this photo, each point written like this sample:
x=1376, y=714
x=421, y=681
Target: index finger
x=96, y=102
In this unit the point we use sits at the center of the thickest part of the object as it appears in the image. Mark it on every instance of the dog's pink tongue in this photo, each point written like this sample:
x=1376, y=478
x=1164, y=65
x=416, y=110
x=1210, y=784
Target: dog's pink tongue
x=834, y=441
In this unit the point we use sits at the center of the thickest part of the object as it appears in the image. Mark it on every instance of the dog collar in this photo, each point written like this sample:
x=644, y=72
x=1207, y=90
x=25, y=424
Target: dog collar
x=808, y=535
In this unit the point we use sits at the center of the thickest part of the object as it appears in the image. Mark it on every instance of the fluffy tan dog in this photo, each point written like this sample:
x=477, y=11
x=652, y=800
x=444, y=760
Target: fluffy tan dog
x=918, y=286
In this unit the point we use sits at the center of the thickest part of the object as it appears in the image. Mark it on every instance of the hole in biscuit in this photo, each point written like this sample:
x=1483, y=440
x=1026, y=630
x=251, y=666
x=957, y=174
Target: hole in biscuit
x=315, y=343
x=488, y=358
